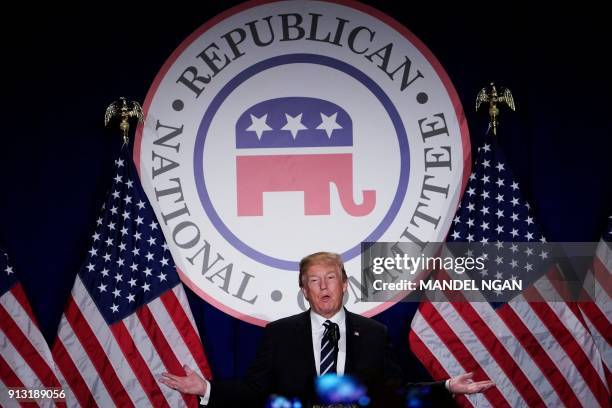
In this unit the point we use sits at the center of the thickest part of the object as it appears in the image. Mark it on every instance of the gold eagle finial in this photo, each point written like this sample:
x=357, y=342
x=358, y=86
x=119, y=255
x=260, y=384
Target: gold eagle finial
x=493, y=97
x=123, y=109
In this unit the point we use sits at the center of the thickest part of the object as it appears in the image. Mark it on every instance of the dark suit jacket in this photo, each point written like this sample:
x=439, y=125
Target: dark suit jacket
x=285, y=365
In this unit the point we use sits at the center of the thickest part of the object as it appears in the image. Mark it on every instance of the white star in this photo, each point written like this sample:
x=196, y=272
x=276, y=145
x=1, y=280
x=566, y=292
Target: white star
x=484, y=226
x=457, y=219
x=124, y=231
x=259, y=125
x=120, y=262
x=129, y=183
x=147, y=271
x=484, y=210
x=500, y=166
x=151, y=241
x=513, y=263
x=473, y=176
x=162, y=276
x=96, y=236
x=118, y=178
x=145, y=287
x=130, y=298
x=132, y=282
x=122, y=246
x=134, y=266
x=514, y=217
x=543, y=255
x=514, y=201
x=485, y=179
x=9, y=270
x=514, y=185
x=499, y=245
x=529, y=236
x=99, y=221
x=499, y=198
x=470, y=207
x=456, y=235
x=107, y=257
x=165, y=246
x=153, y=225
x=93, y=251
x=499, y=260
x=113, y=210
x=116, y=292
x=498, y=275
x=486, y=164
x=514, y=248
x=329, y=124
x=139, y=220
x=149, y=256
x=514, y=232
x=125, y=215
x=294, y=124
x=102, y=288
x=499, y=213
x=104, y=272
x=137, y=235
x=109, y=241
x=111, y=226
x=115, y=194
x=484, y=194
x=164, y=261
x=499, y=229
x=528, y=267
x=119, y=162
x=140, y=204
x=484, y=240
x=470, y=222
x=91, y=267
x=118, y=277
x=471, y=191
x=136, y=251
x=114, y=308
x=499, y=182
x=127, y=199
x=529, y=251
x=486, y=147
x=470, y=237
x=529, y=220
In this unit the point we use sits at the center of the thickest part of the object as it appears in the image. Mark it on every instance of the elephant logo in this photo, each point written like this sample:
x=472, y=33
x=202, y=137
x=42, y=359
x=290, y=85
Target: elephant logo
x=294, y=123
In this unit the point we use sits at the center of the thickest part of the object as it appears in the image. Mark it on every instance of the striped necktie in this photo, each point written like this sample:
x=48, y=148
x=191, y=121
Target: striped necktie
x=328, y=349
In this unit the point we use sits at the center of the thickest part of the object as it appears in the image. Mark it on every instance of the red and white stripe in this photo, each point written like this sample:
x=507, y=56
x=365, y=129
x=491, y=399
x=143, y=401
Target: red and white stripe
x=119, y=365
x=25, y=357
x=538, y=354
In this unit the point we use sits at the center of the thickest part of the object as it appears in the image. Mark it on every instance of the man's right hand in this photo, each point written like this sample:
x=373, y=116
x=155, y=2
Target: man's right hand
x=192, y=383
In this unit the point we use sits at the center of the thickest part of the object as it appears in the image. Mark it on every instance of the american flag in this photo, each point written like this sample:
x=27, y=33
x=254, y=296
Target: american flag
x=537, y=353
x=127, y=319
x=597, y=314
x=25, y=357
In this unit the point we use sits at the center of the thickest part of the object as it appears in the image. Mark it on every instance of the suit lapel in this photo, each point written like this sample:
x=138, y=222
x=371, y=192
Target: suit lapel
x=304, y=337
x=353, y=343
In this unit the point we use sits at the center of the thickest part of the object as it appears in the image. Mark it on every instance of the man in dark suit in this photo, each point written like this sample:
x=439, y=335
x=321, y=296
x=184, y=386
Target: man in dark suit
x=325, y=339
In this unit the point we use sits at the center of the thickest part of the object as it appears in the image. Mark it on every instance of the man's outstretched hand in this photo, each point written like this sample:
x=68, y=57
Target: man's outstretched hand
x=463, y=384
x=192, y=383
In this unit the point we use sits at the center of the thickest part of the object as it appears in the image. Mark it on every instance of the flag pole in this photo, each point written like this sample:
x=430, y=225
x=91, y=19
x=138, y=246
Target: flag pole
x=123, y=109
x=491, y=96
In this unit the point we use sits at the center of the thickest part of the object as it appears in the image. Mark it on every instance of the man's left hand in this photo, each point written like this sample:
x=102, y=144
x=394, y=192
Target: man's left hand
x=463, y=384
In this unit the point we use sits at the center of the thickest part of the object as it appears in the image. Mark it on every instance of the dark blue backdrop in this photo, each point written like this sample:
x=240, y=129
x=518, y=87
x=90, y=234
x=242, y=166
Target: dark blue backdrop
x=63, y=67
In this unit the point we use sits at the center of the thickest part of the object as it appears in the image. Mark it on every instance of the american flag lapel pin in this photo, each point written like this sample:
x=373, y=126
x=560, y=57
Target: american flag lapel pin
x=356, y=333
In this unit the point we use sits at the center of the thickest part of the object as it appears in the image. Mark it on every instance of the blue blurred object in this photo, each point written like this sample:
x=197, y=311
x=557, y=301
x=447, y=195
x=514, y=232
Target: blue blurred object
x=278, y=401
x=333, y=389
x=419, y=397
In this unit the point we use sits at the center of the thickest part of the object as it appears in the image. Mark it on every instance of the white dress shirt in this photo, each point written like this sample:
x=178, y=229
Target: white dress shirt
x=316, y=322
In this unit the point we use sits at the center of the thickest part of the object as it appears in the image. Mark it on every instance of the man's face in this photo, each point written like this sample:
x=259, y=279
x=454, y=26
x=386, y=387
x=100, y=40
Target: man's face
x=324, y=288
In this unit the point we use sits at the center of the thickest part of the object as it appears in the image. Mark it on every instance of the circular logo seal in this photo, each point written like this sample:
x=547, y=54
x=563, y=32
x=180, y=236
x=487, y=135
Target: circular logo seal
x=285, y=128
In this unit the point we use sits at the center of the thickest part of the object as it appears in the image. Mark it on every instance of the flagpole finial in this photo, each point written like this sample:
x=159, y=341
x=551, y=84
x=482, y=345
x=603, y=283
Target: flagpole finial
x=123, y=109
x=493, y=97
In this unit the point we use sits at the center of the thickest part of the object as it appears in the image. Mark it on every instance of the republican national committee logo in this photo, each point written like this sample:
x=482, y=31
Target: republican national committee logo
x=284, y=128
